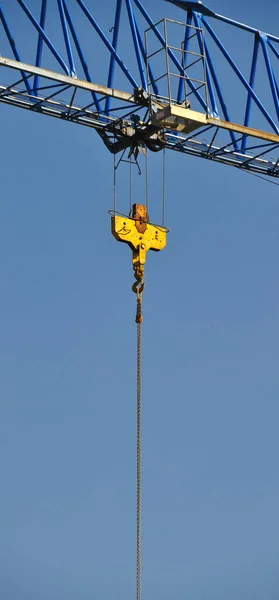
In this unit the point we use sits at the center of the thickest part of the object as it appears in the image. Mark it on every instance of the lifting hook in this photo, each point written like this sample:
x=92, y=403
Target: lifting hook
x=141, y=236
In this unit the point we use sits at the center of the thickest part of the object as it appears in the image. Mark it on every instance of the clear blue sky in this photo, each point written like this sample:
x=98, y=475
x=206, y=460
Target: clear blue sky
x=67, y=387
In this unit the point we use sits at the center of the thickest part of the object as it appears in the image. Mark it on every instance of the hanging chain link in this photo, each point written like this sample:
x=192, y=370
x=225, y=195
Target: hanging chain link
x=139, y=322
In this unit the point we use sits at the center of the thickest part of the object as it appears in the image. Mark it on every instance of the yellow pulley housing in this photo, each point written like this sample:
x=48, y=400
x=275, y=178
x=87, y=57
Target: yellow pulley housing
x=140, y=235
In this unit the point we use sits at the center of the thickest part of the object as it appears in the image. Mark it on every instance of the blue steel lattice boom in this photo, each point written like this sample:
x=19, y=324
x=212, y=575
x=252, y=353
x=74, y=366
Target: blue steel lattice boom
x=189, y=108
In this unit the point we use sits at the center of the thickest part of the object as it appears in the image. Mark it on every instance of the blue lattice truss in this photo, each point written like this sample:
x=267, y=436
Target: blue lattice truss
x=72, y=71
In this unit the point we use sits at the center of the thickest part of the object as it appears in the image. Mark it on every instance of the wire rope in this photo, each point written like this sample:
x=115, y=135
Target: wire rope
x=261, y=177
x=139, y=322
x=131, y=183
x=146, y=183
x=164, y=188
x=114, y=182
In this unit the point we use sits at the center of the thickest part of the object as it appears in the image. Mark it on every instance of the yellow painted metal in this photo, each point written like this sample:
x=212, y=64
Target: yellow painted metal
x=171, y=116
x=179, y=118
x=126, y=229
x=185, y=120
x=71, y=81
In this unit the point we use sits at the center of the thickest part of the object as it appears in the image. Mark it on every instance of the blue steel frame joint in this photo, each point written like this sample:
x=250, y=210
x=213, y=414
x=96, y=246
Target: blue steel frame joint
x=194, y=6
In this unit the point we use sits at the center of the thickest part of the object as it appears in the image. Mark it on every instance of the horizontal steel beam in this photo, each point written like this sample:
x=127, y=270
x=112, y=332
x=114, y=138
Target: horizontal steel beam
x=184, y=119
x=268, y=170
x=65, y=79
x=55, y=110
x=174, y=118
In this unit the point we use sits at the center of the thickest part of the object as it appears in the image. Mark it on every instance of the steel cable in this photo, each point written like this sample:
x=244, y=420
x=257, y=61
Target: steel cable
x=139, y=322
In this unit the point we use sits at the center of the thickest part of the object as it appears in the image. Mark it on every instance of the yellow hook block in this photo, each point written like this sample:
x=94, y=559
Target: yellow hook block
x=140, y=235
